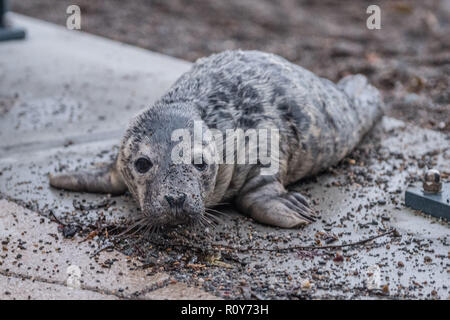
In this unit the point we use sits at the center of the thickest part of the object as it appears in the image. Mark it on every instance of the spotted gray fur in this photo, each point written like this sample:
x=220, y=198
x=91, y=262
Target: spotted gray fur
x=319, y=123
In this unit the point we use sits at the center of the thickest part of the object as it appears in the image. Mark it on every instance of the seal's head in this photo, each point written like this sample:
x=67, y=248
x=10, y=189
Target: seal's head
x=171, y=179
x=167, y=167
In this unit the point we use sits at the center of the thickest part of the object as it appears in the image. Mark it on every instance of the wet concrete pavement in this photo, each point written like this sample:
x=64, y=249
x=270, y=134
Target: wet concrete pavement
x=65, y=98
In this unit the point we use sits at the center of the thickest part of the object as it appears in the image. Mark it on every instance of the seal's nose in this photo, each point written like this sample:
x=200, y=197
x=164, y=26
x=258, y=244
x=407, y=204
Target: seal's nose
x=176, y=201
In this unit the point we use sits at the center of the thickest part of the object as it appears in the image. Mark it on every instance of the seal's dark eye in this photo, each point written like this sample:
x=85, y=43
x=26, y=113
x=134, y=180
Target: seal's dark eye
x=200, y=166
x=142, y=165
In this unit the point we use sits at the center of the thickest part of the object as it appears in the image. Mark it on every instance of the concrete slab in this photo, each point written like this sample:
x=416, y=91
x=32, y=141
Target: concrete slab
x=358, y=199
x=32, y=248
x=179, y=291
x=59, y=84
x=24, y=289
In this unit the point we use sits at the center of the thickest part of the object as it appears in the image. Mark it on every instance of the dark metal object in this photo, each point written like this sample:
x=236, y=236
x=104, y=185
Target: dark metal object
x=6, y=32
x=432, y=181
x=435, y=204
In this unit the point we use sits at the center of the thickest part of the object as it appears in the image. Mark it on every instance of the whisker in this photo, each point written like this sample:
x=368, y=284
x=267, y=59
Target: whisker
x=148, y=231
x=212, y=216
x=141, y=223
x=152, y=230
x=206, y=219
x=209, y=222
x=203, y=223
x=216, y=211
x=113, y=229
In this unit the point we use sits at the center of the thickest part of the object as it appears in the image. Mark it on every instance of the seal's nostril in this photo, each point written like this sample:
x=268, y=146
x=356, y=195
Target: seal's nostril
x=170, y=200
x=176, y=201
x=182, y=198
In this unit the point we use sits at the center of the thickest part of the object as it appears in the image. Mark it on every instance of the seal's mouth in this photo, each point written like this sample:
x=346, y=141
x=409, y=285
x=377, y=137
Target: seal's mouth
x=173, y=218
x=147, y=223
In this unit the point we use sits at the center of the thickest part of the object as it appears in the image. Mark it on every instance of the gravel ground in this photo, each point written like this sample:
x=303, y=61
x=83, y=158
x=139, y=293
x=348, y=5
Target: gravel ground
x=408, y=59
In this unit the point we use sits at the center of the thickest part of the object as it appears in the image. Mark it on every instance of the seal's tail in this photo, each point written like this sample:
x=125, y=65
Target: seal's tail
x=365, y=97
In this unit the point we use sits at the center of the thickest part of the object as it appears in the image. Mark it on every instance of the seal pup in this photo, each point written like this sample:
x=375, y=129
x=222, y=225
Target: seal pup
x=319, y=122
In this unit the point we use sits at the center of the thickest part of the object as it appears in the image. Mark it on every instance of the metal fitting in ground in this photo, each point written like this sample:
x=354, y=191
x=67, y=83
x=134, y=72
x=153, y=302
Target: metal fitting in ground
x=432, y=181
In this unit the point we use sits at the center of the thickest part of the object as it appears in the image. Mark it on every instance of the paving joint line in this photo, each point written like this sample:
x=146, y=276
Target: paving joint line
x=40, y=279
x=20, y=148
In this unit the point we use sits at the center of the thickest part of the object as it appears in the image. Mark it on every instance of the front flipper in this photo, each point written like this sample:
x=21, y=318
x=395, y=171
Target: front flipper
x=272, y=204
x=103, y=180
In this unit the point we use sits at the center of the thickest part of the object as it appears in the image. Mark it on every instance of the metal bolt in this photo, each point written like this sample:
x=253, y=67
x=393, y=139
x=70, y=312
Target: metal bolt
x=432, y=181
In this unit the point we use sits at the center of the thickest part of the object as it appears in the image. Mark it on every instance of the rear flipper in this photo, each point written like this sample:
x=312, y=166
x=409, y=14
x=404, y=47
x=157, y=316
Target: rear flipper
x=103, y=180
x=365, y=97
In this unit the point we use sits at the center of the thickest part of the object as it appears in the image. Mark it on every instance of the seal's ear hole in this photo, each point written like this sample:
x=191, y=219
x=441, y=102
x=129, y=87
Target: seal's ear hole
x=103, y=180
